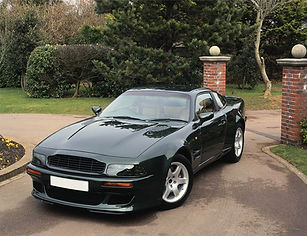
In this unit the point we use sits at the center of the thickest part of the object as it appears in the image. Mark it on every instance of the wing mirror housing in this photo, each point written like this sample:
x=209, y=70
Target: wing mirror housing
x=96, y=110
x=205, y=116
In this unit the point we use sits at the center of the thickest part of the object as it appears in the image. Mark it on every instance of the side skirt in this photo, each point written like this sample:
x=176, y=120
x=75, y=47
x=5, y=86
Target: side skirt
x=210, y=160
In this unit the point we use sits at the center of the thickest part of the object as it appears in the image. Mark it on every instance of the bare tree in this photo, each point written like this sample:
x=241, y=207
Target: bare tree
x=61, y=21
x=264, y=8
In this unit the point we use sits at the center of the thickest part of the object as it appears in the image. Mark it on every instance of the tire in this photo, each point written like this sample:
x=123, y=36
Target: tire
x=178, y=183
x=237, y=147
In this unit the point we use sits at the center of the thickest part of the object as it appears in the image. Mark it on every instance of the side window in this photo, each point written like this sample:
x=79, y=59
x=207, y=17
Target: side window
x=219, y=99
x=222, y=98
x=204, y=103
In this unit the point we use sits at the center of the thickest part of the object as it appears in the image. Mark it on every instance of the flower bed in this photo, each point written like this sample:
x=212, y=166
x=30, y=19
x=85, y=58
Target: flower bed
x=10, y=152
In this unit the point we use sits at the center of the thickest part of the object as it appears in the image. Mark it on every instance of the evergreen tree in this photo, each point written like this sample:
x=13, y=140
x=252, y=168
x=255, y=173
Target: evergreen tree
x=163, y=24
x=284, y=28
x=184, y=28
x=22, y=38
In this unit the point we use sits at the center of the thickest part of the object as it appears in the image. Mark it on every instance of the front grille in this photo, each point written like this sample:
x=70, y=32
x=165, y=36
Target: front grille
x=77, y=163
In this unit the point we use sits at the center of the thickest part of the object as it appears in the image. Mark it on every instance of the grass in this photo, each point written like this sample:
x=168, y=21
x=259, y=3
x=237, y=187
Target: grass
x=254, y=97
x=14, y=100
x=295, y=155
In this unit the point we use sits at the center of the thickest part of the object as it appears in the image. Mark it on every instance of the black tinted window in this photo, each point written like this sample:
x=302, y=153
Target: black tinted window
x=204, y=103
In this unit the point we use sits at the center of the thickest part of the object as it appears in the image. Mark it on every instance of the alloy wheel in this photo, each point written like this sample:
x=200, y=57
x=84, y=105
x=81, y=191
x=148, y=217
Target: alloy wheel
x=176, y=184
x=238, y=145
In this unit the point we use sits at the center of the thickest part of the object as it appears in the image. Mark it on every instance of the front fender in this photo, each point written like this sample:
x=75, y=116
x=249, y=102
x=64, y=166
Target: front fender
x=158, y=157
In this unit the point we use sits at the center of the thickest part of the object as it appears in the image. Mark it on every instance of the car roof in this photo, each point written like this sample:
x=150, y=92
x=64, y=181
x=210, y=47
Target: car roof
x=174, y=88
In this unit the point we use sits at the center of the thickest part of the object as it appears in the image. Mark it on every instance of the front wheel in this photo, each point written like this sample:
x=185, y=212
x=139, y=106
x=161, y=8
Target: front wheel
x=178, y=183
x=237, y=149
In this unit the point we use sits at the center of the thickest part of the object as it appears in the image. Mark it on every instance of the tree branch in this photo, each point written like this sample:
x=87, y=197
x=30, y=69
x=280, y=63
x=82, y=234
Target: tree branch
x=274, y=7
x=255, y=3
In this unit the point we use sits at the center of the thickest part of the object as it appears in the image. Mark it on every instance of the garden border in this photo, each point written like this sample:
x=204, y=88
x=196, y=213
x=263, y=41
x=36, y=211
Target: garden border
x=19, y=166
x=289, y=166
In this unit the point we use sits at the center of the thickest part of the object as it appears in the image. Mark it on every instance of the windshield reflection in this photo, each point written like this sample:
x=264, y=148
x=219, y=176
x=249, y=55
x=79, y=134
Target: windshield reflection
x=150, y=105
x=152, y=130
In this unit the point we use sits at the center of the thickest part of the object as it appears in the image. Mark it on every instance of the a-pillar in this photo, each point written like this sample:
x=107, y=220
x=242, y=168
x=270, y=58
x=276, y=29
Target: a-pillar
x=214, y=70
x=294, y=96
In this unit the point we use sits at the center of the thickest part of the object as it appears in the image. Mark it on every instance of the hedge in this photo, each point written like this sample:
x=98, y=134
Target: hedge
x=53, y=70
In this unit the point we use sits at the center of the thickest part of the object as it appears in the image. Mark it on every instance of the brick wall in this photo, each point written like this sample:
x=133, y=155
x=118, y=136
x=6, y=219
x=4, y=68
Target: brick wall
x=214, y=76
x=294, y=103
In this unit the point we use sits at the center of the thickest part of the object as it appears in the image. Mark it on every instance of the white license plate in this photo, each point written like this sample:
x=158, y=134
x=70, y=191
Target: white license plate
x=69, y=183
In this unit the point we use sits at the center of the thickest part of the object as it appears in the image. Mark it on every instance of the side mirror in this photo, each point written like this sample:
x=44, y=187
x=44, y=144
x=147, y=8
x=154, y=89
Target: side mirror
x=205, y=116
x=96, y=110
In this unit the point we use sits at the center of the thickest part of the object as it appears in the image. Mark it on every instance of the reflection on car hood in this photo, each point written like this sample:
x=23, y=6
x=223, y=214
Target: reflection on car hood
x=120, y=138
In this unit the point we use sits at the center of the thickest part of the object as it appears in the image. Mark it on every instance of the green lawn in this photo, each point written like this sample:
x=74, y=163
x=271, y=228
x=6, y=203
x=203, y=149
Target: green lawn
x=254, y=97
x=15, y=101
x=295, y=155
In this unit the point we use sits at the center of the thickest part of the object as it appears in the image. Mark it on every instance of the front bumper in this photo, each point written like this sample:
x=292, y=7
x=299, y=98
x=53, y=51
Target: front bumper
x=145, y=192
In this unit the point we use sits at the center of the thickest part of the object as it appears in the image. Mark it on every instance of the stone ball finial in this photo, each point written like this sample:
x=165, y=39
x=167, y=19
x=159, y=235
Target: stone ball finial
x=214, y=51
x=298, y=51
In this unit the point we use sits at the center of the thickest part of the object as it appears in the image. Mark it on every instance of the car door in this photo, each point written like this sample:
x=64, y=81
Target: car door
x=212, y=131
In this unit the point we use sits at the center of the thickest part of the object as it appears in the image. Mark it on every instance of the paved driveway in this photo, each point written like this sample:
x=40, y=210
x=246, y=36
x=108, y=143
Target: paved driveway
x=257, y=196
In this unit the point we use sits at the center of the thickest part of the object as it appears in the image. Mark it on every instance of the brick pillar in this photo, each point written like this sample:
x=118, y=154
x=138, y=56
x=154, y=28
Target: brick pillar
x=214, y=72
x=294, y=99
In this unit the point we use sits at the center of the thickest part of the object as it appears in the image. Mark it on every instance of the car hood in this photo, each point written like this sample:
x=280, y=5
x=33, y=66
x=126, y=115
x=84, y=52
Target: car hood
x=111, y=137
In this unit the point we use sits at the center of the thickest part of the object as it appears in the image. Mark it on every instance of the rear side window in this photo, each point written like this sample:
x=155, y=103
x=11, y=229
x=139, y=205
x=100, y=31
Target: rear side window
x=220, y=100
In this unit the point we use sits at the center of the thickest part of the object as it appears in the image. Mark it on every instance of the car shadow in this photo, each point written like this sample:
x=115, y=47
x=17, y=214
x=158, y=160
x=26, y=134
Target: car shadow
x=130, y=219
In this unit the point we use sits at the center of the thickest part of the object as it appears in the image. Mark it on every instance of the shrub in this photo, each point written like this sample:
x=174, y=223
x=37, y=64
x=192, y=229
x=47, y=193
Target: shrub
x=76, y=62
x=53, y=70
x=43, y=77
x=304, y=129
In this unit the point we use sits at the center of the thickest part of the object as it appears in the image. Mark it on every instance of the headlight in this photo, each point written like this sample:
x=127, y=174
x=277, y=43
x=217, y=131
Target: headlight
x=39, y=159
x=126, y=170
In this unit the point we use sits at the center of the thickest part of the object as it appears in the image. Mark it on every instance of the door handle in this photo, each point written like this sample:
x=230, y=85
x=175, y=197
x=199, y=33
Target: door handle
x=196, y=125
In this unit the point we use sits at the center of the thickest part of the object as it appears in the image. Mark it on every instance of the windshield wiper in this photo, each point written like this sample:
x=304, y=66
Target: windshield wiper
x=168, y=119
x=123, y=117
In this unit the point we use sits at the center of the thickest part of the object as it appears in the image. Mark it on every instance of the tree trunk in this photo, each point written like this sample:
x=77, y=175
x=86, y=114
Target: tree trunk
x=260, y=60
x=23, y=81
x=76, y=94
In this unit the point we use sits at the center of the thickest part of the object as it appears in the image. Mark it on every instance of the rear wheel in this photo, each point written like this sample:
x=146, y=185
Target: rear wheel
x=178, y=183
x=237, y=149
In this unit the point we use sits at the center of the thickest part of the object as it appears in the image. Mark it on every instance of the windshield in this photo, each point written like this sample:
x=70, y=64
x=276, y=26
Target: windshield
x=150, y=105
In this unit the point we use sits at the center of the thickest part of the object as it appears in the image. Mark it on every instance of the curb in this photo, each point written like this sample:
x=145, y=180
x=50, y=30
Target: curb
x=19, y=166
x=289, y=166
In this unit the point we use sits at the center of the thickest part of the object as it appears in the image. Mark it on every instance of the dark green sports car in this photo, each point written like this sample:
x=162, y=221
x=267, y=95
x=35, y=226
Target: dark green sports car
x=139, y=152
